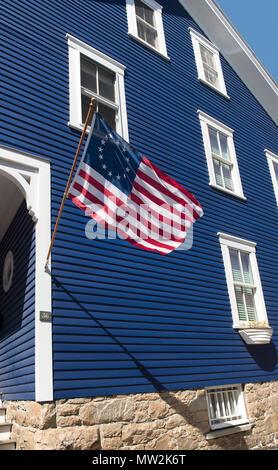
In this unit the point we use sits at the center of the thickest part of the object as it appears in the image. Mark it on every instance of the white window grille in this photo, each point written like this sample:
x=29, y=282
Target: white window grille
x=226, y=406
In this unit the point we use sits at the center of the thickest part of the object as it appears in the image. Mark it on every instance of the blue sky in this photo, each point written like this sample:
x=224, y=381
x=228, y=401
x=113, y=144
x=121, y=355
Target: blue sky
x=257, y=22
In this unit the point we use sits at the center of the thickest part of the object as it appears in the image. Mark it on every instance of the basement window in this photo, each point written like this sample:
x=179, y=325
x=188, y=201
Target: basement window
x=226, y=410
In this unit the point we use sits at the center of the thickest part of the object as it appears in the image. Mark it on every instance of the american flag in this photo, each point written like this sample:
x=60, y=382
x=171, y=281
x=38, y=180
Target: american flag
x=121, y=189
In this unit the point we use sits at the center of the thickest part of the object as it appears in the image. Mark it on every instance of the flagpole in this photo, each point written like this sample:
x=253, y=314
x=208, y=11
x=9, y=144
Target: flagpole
x=91, y=106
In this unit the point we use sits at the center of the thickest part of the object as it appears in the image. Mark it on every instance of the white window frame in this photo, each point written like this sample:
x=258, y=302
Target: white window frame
x=161, y=48
x=207, y=122
x=227, y=242
x=76, y=48
x=219, y=393
x=273, y=159
x=198, y=39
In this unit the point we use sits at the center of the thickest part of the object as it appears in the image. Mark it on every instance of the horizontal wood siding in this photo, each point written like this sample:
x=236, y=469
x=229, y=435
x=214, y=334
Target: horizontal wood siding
x=126, y=320
x=17, y=307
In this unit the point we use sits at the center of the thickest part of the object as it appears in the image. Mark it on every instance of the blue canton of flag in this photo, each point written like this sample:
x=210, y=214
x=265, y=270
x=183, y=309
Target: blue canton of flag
x=121, y=189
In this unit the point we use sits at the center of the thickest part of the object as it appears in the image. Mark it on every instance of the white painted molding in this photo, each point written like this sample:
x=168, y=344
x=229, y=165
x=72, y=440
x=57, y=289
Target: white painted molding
x=31, y=175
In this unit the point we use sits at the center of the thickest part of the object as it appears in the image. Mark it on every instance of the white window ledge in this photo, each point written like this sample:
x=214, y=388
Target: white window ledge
x=141, y=41
x=224, y=190
x=222, y=93
x=228, y=431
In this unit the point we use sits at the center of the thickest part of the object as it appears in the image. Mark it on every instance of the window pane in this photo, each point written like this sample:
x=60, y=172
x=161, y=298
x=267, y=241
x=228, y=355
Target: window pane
x=146, y=33
x=211, y=76
x=217, y=172
x=88, y=74
x=250, y=304
x=213, y=407
x=276, y=171
x=234, y=256
x=227, y=175
x=246, y=266
x=207, y=57
x=106, y=84
x=240, y=303
x=85, y=102
x=214, y=142
x=108, y=114
x=144, y=12
x=224, y=147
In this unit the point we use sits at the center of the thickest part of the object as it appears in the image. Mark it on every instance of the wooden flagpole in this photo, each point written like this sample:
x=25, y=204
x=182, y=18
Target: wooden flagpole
x=91, y=106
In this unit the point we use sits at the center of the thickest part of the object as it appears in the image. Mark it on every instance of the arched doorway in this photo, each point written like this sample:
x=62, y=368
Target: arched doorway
x=17, y=292
x=25, y=286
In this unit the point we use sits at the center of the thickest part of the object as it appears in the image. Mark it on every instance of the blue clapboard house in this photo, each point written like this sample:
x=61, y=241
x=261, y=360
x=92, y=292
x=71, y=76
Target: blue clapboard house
x=177, y=82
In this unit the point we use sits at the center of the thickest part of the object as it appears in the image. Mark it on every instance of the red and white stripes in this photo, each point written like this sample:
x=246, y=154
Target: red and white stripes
x=155, y=216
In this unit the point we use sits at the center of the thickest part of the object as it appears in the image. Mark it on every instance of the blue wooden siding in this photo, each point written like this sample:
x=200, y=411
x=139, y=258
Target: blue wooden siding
x=17, y=307
x=125, y=320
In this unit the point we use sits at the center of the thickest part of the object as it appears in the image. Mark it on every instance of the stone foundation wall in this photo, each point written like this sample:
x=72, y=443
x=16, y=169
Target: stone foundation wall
x=147, y=421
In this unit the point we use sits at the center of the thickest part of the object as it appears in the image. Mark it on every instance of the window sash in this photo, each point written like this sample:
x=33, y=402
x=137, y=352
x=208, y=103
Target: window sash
x=209, y=65
x=146, y=32
x=91, y=72
x=144, y=12
x=222, y=164
x=145, y=20
x=244, y=288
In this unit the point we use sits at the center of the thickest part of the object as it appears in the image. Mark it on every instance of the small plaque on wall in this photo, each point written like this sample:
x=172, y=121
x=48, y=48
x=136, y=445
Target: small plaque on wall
x=46, y=317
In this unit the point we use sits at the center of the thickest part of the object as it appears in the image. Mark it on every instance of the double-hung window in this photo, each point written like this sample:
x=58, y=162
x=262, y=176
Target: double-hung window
x=221, y=157
x=145, y=24
x=208, y=62
x=244, y=287
x=243, y=280
x=273, y=167
x=93, y=74
x=98, y=82
x=226, y=406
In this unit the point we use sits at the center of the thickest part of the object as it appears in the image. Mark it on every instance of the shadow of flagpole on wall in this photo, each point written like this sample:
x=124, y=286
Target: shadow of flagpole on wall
x=156, y=384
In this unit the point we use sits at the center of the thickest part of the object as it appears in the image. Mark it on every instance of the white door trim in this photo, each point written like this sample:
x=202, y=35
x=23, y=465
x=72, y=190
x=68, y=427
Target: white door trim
x=31, y=174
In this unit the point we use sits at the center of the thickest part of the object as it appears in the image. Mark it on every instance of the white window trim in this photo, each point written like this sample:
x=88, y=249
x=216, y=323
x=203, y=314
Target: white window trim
x=272, y=158
x=207, y=121
x=241, y=408
x=132, y=26
x=77, y=47
x=21, y=167
x=198, y=39
x=229, y=241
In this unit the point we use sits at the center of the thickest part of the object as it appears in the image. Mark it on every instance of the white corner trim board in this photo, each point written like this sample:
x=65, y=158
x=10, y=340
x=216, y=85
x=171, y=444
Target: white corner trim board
x=31, y=174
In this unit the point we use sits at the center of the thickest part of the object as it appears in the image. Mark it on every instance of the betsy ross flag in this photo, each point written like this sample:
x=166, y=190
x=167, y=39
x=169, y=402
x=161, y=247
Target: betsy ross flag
x=121, y=189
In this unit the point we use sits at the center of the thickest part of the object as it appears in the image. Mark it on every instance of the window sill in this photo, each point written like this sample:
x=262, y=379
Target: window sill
x=78, y=127
x=222, y=93
x=227, y=191
x=256, y=335
x=228, y=431
x=144, y=43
